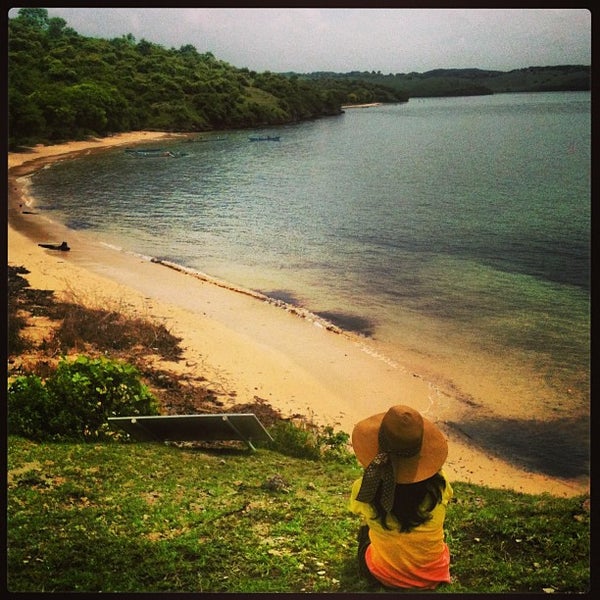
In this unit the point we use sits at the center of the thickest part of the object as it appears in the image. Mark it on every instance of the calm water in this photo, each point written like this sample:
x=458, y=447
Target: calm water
x=454, y=231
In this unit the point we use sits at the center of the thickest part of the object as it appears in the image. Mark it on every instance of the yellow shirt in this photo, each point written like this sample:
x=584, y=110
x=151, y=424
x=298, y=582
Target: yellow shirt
x=416, y=559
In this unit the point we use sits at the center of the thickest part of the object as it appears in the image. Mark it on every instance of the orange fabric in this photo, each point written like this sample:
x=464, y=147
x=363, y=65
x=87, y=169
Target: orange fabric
x=423, y=577
x=416, y=559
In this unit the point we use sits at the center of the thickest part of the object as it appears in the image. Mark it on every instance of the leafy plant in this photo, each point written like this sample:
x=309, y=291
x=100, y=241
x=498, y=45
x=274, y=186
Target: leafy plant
x=334, y=445
x=77, y=400
x=28, y=407
x=292, y=440
x=310, y=442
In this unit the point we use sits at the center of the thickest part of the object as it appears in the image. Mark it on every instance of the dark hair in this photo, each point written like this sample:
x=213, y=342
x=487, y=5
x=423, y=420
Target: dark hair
x=413, y=502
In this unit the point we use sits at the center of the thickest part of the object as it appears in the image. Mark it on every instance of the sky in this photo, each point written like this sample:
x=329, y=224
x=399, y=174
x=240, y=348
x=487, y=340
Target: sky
x=390, y=40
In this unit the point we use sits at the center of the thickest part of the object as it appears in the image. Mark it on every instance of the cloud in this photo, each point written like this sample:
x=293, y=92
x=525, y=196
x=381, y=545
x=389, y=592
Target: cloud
x=341, y=39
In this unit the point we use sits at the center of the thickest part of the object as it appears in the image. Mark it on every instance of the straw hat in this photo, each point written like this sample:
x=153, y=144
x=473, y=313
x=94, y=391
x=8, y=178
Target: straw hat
x=418, y=449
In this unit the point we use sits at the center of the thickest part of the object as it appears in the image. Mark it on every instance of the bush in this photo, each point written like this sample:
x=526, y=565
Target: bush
x=335, y=445
x=28, y=407
x=76, y=401
x=310, y=442
x=294, y=441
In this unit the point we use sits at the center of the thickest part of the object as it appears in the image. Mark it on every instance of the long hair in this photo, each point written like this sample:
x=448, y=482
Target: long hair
x=413, y=502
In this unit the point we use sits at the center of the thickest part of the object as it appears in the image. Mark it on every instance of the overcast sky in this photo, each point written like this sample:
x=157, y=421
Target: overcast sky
x=395, y=40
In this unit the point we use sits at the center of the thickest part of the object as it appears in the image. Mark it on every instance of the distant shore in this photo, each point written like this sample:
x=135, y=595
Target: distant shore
x=236, y=340
x=367, y=105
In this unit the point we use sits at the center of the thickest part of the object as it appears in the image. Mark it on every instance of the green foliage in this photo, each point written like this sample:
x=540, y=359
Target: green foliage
x=76, y=400
x=65, y=86
x=292, y=440
x=335, y=445
x=151, y=518
x=456, y=82
x=312, y=443
x=348, y=89
x=29, y=407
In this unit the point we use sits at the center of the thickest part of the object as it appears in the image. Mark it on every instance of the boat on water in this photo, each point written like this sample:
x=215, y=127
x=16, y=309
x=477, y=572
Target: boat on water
x=264, y=138
x=153, y=153
x=202, y=139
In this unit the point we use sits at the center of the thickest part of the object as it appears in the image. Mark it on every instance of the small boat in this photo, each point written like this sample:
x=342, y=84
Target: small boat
x=264, y=138
x=154, y=153
x=145, y=151
x=207, y=139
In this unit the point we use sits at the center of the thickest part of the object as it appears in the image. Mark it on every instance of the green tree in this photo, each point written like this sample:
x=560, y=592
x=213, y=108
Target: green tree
x=66, y=86
x=34, y=17
x=25, y=116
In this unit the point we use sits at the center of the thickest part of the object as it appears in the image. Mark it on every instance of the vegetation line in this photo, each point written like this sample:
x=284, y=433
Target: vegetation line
x=65, y=86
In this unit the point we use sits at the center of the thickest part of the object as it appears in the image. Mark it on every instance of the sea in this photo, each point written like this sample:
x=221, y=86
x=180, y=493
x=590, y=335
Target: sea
x=452, y=233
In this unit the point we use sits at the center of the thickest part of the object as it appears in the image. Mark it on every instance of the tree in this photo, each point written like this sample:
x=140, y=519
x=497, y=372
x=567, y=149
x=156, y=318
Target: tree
x=34, y=17
x=57, y=27
x=65, y=86
x=25, y=117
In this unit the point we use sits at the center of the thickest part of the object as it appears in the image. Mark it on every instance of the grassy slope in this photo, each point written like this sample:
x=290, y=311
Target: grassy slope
x=130, y=517
x=151, y=517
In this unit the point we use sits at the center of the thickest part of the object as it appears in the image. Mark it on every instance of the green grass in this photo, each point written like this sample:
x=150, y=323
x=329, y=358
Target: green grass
x=133, y=517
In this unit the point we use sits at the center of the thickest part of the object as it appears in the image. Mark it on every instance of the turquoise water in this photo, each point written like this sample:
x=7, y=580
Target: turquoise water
x=452, y=231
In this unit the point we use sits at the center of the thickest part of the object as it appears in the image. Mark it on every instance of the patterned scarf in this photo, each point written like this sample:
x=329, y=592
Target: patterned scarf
x=381, y=471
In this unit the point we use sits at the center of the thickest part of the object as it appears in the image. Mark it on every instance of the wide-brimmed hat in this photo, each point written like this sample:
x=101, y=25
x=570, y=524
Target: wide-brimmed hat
x=418, y=449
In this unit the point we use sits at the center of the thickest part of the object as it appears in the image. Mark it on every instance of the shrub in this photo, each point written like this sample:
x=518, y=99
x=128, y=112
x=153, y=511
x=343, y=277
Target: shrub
x=294, y=441
x=310, y=442
x=28, y=407
x=77, y=399
x=335, y=445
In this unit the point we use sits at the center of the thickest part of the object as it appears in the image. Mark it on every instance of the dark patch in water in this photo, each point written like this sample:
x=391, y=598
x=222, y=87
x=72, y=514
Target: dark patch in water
x=77, y=224
x=349, y=322
x=559, y=448
x=283, y=295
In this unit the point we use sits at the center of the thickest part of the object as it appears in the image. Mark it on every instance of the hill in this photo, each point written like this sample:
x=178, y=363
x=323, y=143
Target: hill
x=469, y=82
x=64, y=86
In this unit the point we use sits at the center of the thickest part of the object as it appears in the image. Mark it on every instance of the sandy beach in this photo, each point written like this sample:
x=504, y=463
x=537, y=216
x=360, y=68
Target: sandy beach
x=239, y=340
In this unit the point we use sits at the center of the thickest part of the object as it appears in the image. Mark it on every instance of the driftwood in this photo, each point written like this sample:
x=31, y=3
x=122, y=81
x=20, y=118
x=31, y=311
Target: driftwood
x=64, y=246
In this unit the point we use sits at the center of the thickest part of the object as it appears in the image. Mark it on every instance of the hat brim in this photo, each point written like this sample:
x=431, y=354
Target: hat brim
x=429, y=460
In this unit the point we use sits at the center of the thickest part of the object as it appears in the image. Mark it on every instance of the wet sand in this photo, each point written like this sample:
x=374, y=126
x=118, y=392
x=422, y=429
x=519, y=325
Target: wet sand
x=241, y=341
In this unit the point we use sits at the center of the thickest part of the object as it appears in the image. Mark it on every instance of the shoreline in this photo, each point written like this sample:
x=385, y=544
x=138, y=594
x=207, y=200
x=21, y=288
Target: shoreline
x=366, y=105
x=243, y=340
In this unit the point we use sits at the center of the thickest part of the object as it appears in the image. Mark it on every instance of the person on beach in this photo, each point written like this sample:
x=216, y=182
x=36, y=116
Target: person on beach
x=401, y=499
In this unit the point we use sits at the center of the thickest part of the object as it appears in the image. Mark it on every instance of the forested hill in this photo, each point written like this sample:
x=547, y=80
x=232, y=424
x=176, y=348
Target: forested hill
x=62, y=85
x=469, y=82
